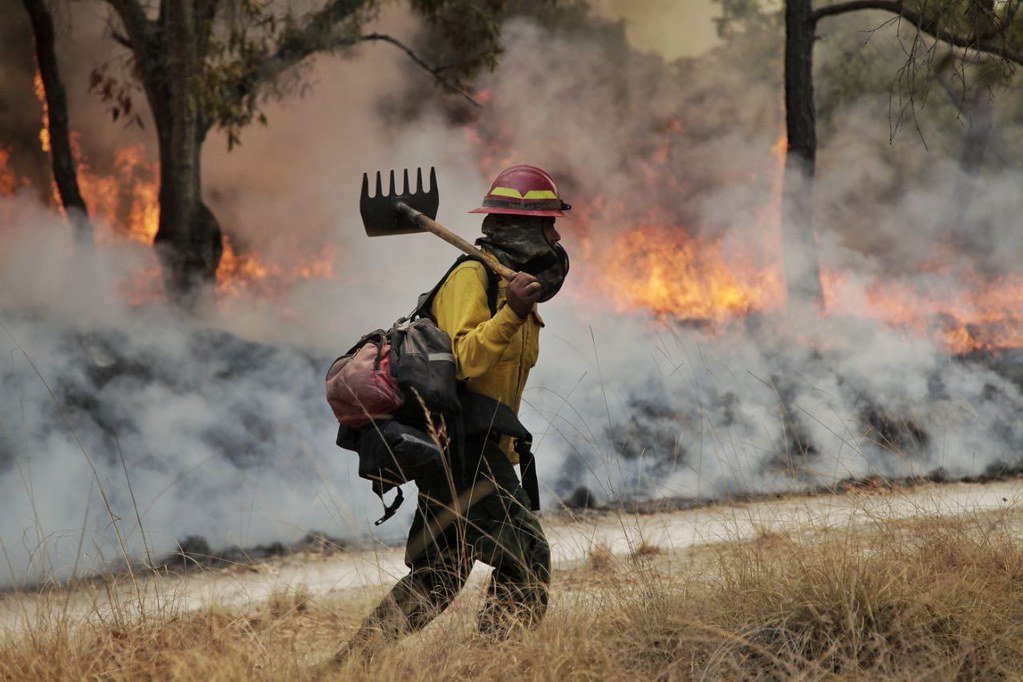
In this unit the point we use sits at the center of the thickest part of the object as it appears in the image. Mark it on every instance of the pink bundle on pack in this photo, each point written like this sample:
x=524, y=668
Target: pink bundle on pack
x=360, y=386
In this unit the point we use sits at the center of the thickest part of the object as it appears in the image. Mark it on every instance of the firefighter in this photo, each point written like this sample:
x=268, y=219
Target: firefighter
x=487, y=517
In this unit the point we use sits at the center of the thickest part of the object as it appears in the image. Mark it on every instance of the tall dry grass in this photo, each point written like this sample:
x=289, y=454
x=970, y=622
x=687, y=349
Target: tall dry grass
x=931, y=598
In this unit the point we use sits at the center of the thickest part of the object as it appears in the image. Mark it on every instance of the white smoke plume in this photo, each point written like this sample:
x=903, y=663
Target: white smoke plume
x=220, y=424
x=777, y=402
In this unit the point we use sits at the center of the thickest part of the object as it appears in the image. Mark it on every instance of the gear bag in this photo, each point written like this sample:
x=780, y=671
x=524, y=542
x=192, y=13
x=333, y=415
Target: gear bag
x=360, y=384
x=389, y=386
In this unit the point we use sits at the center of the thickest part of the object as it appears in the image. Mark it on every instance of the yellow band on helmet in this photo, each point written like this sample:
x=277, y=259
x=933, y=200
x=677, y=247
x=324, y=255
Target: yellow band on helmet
x=516, y=194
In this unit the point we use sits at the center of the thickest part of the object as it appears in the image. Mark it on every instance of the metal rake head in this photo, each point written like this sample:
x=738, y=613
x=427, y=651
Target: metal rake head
x=379, y=215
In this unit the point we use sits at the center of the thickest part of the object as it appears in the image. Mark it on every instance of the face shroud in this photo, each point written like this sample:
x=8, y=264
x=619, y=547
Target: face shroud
x=520, y=242
x=523, y=200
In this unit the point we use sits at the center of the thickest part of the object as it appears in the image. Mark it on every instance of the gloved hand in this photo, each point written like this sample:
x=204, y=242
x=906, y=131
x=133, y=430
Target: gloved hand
x=522, y=292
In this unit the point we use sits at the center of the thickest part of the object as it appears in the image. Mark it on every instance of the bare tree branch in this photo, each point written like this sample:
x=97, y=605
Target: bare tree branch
x=318, y=33
x=981, y=43
x=120, y=39
x=1010, y=13
x=434, y=71
x=134, y=19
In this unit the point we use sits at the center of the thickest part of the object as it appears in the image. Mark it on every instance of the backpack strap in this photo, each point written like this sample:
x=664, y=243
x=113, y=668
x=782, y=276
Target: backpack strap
x=426, y=300
x=527, y=470
x=485, y=416
x=389, y=509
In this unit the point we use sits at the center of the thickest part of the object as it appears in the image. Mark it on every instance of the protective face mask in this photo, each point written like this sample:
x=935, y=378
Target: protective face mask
x=519, y=243
x=550, y=269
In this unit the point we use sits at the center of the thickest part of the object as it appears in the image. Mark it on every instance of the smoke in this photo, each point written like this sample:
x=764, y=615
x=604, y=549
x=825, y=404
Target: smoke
x=219, y=421
x=193, y=428
x=674, y=412
x=690, y=25
x=649, y=407
x=190, y=429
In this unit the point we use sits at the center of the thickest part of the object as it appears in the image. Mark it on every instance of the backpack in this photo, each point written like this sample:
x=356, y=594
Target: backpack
x=388, y=390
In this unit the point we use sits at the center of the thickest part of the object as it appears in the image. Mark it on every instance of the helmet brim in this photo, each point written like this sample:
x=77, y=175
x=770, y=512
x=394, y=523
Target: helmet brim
x=547, y=213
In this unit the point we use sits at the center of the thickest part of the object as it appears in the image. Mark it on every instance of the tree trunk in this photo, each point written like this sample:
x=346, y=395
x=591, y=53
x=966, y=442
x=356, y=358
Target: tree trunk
x=799, y=246
x=188, y=239
x=64, y=173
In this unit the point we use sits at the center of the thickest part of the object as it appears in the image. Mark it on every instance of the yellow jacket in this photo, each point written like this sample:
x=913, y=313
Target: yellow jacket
x=494, y=354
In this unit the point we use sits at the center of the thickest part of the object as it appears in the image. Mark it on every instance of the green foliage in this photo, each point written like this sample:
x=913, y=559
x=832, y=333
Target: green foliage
x=474, y=30
x=223, y=87
x=248, y=51
x=466, y=34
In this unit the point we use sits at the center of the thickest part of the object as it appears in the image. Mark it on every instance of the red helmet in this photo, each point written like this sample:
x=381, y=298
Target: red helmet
x=524, y=190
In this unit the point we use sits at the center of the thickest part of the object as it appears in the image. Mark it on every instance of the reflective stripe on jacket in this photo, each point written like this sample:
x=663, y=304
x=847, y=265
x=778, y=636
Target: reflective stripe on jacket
x=494, y=354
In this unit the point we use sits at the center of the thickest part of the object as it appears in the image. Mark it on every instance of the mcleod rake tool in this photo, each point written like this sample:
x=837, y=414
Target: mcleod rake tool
x=413, y=211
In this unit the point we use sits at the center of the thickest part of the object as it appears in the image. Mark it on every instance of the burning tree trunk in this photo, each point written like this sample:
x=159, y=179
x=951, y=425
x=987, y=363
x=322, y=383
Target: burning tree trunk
x=63, y=162
x=195, y=79
x=802, y=271
x=188, y=241
x=168, y=58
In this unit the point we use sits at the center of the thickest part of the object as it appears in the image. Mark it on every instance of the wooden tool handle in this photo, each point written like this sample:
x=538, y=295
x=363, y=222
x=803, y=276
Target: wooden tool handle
x=453, y=239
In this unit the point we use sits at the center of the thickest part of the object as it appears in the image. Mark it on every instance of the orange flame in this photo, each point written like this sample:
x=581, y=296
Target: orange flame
x=126, y=200
x=241, y=271
x=125, y=204
x=44, y=131
x=653, y=263
x=971, y=314
x=8, y=180
x=663, y=268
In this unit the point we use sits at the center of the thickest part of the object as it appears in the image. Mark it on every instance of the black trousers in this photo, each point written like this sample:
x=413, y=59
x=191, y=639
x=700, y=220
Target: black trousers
x=487, y=520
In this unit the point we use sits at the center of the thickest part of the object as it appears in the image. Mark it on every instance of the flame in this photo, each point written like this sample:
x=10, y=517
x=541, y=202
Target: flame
x=665, y=269
x=124, y=204
x=8, y=180
x=646, y=260
x=649, y=261
x=241, y=271
x=125, y=200
x=973, y=314
x=44, y=131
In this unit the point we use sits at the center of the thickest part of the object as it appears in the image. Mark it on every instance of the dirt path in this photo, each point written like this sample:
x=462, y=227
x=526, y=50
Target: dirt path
x=571, y=542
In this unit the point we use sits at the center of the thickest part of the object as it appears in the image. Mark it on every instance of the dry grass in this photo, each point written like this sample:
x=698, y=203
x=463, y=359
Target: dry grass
x=928, y=598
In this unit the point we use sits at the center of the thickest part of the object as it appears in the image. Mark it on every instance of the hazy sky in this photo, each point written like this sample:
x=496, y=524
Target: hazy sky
x=672, y=28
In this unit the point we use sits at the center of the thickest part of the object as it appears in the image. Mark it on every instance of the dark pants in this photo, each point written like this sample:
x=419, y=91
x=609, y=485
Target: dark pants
x=489, y=520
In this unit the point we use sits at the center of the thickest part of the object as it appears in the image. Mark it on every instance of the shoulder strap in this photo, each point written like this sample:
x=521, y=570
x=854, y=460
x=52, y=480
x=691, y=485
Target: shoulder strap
x=389, y=509
x=426, y=300
x=493, y=279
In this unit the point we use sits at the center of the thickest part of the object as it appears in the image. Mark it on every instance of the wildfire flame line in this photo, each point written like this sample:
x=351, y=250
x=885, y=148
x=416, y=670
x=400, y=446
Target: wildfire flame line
x=644, y=259
x=124, y=204
x=650, y=262
x=8, y=180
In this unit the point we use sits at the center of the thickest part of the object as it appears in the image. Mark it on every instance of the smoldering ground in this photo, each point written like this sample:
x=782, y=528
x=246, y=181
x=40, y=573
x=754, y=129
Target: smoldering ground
x=218, y=422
